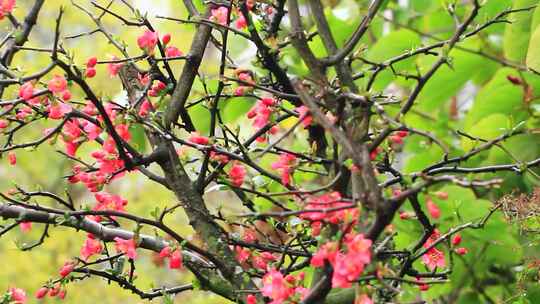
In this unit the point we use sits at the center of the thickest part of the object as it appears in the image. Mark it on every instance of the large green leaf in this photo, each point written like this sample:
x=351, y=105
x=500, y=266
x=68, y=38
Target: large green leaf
x=533, y=54
x=498, y=96
x=487, y=128
x=448, y=80
x=517, y=34
x=391, y=45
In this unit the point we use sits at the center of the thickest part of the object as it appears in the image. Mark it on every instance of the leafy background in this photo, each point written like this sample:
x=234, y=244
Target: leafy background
x=487, y=104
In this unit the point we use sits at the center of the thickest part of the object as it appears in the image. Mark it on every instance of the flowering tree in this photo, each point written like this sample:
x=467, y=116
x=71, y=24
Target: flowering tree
x=365, y=148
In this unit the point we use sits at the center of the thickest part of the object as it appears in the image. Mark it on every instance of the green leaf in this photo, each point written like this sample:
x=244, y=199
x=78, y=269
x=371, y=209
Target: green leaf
x=533, y=54
x=517, y=34
x=200, y=117
x=487, y=128
x=389, y=46
x=234, y=108
x=138, y=137
x=447, y=81
x=498, y=96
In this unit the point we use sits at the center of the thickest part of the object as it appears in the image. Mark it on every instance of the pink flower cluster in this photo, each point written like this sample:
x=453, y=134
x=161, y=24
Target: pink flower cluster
x=6, y=7
x=17, y=295
x=249, y=258
x=220, y=14
x=433, y=258
x=285, y=165
x=237, y=174
x=127, y=247
x=329, y=210
x=174, y=255
x=56, y=291
x=348, y=264
x=261, y=113
x=281, y=288
x=56, y=109
x=147, y=41
x=109, y=164
x=91, y=246
x=108, y=202
x=306, y=118
x=246, y=78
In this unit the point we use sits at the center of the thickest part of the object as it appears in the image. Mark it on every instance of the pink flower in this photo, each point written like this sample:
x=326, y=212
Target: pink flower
x=166, y=39
x=198, y=139
x=123, y=131
x=172, y=51
x=92, y=61
x=175, y=262
x=66, y=269
x=26, y=91
x=4, y=124
x=107, y=201
x=221, y=158
x=18, y=296
x=42, y=292
x=326, y=252
x=237, y=174
x=251, y=299
x=349, y=264
x=113, y=68
x=241, y=22
x=275, y=287
x=58, y=110
x=66, y=95
x=12, y=158
x=25, y=226
x=57, y=84
x=363, y=299
x=285, y=165
x=433, y=209
x=242, y=254
x=128, y=247
x=330, y=200
x=260, y=113
x=219, y=15
x=165, y=252
x=147, y=41
x=303, y=111
x=146, y=107
x=433, y=258
x=90, y=247
x=92, y=130
x=6, y=7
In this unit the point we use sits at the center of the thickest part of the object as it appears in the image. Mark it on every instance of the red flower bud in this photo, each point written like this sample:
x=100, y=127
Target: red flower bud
x=514, y=80
x=67, y=269
x=92, y=61
x=42, y=292
x=402, y=133
x=462, y=251
x=166, y=39
x=90, y=72
x=456, y=239
x=441, y=195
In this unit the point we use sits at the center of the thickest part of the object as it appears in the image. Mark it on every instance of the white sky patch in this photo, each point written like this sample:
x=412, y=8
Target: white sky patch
x=403, y=3
x=152, y=8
